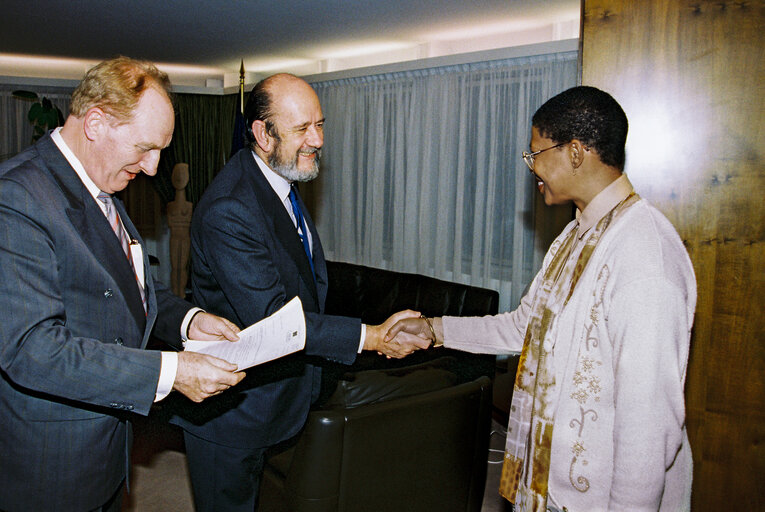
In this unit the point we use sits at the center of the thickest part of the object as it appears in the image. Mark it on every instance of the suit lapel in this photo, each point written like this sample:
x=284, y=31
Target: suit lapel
x=283, y=228
x=319, y=263
x=91, y=225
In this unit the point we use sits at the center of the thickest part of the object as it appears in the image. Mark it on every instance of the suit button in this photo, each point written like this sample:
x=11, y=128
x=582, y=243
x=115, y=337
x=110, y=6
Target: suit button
x=118, y=341
x=108, y=293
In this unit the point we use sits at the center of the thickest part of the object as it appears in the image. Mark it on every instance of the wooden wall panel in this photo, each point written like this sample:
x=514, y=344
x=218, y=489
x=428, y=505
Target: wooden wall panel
x=691, y=76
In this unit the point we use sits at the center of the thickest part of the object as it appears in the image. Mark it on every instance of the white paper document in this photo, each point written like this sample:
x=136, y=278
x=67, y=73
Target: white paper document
x=275, y=336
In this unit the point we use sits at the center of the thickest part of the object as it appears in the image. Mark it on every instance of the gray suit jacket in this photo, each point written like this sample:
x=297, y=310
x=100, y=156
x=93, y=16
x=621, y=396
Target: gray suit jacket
x=72, y=366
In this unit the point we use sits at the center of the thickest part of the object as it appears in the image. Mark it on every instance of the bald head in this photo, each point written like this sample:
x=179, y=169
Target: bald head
x=285, y=82
x=268, y=95
x=285, y=126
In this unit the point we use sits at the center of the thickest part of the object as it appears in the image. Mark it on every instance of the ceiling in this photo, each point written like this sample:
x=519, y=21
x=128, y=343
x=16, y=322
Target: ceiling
x=201, y=43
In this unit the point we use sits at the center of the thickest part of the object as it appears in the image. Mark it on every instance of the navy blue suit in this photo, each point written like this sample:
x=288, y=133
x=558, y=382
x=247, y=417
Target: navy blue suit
x=71, y=338
x=247, y=262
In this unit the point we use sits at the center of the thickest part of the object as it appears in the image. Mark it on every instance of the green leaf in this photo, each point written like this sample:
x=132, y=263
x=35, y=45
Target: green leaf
x=34, y=112
x=50, y=119
x=25, y=95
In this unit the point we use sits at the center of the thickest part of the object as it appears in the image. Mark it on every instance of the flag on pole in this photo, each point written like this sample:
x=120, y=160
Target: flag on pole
x=238, y=139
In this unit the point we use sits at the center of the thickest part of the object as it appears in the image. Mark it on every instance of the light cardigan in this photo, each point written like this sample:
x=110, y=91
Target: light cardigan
x=620, y=355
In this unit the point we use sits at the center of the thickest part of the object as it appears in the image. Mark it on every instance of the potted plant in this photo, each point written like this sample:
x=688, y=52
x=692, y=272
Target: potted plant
x=43, y=114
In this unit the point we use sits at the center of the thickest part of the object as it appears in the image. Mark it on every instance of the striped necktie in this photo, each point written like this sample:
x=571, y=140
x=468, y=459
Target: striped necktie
x=114, y=220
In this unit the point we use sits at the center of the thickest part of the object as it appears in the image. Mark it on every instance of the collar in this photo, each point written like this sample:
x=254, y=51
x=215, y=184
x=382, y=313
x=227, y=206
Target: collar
x=603, y=203
x=278, y=183
x=58, y=140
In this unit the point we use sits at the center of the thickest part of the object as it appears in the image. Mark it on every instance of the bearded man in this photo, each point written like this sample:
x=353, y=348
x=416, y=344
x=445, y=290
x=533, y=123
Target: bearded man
x=253, y=248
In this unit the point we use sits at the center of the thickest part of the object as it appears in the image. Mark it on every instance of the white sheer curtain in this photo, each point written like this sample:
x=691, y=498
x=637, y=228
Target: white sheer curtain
x=422, y=171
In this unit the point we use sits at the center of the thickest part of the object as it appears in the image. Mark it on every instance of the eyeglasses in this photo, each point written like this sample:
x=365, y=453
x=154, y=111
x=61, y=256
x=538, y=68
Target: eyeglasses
x=529, y=157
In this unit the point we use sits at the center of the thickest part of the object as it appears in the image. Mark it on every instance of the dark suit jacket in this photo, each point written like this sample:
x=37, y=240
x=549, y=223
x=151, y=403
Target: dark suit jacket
x=247, y=262
x=71, y=336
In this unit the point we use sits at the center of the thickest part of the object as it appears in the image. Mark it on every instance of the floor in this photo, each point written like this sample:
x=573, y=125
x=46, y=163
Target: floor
x=492, y=501
x=159, y=477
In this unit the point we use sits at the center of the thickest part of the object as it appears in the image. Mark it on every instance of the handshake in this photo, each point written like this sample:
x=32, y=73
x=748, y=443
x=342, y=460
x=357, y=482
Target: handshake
x=200, y=376
x=402, y=333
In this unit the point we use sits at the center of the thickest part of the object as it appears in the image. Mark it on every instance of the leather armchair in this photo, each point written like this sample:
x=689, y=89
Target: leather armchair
x=408, y=439
x=391, y=435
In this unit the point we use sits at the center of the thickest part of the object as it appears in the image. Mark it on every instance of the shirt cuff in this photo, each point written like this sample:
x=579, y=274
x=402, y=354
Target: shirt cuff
x=166, y=375
x=363, y=337
x=187, y=321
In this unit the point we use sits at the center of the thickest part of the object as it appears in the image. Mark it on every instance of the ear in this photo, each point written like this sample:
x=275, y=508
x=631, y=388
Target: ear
x=262, y=138
x=577, y=153
x=95, y=122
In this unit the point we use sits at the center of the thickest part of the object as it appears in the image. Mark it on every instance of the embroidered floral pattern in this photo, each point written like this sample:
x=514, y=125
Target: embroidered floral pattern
x=581, y=483
x=587, y=384
x=578, y=448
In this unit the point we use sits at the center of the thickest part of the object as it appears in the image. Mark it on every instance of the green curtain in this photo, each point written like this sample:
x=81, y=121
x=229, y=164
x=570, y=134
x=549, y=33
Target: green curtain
x=204, y=125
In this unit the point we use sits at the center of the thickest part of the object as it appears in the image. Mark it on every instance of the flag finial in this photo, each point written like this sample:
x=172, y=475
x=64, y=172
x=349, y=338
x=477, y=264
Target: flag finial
x=241, y=87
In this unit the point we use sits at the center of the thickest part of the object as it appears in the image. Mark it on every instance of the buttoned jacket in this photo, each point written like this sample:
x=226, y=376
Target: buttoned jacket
x=71, y=338
x=247, y=262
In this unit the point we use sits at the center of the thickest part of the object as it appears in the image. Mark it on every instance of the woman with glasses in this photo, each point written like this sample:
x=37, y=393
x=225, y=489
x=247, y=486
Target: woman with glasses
x=597, y=420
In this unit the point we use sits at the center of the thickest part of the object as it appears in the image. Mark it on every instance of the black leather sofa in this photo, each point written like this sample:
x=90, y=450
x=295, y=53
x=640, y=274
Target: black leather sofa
x=392, y=435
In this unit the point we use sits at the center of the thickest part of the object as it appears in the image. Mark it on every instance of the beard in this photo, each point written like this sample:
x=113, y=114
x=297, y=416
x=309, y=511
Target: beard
x=287, y=168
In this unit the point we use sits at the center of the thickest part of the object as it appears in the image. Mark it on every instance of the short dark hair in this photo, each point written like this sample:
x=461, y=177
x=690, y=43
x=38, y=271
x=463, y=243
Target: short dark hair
x=589, y=115
x=259, y=107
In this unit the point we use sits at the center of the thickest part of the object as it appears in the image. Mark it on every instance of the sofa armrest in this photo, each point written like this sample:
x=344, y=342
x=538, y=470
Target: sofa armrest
x=355, y=389
x=390, y=455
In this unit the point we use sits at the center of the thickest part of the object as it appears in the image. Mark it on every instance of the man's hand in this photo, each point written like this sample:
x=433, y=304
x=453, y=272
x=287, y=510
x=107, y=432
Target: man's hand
x=201, y=376
x=207, y=327
x=376, y=333
x=413, y=330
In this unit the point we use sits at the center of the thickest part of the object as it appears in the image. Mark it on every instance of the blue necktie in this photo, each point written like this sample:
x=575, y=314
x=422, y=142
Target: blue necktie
x=303, y=233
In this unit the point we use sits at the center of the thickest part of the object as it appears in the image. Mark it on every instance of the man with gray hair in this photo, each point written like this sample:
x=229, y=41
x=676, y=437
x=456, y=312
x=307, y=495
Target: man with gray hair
x=80, y=303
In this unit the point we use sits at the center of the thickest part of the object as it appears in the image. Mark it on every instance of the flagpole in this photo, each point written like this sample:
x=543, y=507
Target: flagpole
x=238, y=138
x=241, y=87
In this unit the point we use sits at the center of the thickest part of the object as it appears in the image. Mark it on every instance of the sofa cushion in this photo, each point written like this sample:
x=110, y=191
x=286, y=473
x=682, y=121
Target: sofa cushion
x=371, y=386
